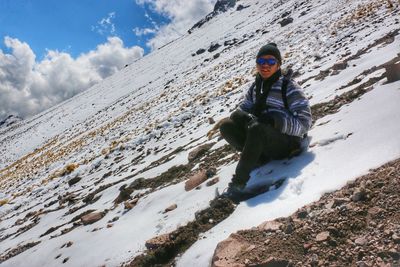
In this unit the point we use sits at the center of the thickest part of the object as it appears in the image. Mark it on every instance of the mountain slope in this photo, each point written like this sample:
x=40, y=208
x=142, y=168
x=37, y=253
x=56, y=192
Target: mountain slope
x=87, y=155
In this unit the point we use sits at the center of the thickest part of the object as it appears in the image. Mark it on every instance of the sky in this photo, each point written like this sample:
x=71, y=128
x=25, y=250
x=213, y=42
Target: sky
x=52, y=50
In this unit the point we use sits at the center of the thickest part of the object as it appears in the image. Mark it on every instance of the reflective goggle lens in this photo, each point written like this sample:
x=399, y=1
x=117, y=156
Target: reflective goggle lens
x=266, y=61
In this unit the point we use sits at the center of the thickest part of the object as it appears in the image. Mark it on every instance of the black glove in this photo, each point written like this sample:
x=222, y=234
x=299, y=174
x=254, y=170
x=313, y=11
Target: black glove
x=267, y=119
x=252, y=119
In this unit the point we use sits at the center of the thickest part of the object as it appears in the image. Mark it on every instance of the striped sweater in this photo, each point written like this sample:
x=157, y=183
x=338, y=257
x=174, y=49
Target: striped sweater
x=296, y=121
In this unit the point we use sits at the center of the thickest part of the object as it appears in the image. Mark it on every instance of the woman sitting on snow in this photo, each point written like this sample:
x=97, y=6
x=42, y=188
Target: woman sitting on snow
x=271, y=122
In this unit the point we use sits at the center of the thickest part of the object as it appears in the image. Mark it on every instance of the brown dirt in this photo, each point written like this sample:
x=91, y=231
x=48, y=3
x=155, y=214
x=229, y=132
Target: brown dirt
x=361, y=223
x=182, y=238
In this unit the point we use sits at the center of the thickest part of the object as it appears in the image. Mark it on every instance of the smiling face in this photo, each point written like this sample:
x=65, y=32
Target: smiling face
x=267, y=70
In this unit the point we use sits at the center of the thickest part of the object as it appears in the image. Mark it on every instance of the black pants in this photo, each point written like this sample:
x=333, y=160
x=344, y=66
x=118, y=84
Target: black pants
x=259, y=142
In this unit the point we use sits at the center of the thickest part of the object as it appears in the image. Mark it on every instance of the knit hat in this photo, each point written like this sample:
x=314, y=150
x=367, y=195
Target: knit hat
x=270, y=49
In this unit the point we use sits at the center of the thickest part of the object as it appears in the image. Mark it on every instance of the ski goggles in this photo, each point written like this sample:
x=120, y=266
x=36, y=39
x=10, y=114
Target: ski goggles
x=266, y=61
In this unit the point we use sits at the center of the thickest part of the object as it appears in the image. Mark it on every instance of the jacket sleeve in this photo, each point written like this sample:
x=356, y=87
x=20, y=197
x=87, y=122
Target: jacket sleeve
x=298, y=121
x=247, y=104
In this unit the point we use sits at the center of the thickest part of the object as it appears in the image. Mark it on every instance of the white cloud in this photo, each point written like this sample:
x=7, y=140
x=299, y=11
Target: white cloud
x=183, y=15
x=28, y=87
x=105, y=26
x=145, y=31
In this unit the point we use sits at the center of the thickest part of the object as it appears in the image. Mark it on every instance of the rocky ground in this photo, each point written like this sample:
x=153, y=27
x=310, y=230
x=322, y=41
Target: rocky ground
x=358, y=225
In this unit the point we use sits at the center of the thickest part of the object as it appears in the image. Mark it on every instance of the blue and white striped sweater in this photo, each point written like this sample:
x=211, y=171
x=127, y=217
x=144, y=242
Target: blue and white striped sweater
x=296, y=121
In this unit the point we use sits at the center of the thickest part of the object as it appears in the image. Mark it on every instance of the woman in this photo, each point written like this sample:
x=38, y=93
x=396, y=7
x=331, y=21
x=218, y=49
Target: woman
x=272, y=120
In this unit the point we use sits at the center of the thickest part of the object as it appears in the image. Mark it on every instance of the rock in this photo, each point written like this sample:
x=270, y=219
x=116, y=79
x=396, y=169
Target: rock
x=323, y=236
x=113, y=219
x=157, y=241
x=270, y=226
x=136, y=184
x=212, y=181
x=211, y=120
x=393, y=71
x=307, y=246
x=124, y=194
x=394, y=254
x=213, y=47
x=216, y=55
x=74, y=180
x=359, y=195
x=171, y=208
x=195, y=180
x=361, y=241
x=374, y=211
x=70, y=243
x=200, y=51
x=198, y=152
x=288, y=227
x=10, y=120
x=275, y=262
x=211, y=172
x=337, y=202
x=362, y=264
x=68, y=197
x=302, y=214
x=241, y=7
x=65, y=260
x=340, y=66
x=107, y=174
x=303, y=13
x=231, y=42
x=285, y=21
x=227, y=250
x=130, y=204
x=92, y=217
x=396, y=238
x=333, y=231
x=285, y=14
x=223, y=5
x=19, y=222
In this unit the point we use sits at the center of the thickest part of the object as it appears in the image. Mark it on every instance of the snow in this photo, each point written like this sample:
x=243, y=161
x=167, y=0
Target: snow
x=324, y=168
x=147, y=106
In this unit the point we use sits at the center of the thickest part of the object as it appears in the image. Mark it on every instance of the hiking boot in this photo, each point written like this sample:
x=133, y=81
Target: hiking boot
x=237, y=182
x=233, y=192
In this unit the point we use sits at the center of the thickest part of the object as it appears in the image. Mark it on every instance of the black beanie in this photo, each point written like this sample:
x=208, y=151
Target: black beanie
x=270, y=49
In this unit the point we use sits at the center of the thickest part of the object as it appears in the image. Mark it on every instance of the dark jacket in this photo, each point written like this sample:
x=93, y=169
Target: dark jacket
x=296, y=121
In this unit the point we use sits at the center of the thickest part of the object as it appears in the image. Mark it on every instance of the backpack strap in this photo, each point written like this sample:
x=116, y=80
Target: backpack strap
x=285, y=82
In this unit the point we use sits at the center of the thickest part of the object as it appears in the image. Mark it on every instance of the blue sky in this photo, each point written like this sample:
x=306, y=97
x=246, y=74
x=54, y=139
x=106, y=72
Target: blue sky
x=51, y=50
x=75, y=26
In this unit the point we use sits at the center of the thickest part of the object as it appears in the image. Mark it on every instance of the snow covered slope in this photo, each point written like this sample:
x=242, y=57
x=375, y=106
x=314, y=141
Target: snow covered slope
x=142, y=122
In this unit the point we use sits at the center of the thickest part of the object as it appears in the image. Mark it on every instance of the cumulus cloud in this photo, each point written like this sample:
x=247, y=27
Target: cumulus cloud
x=183, y=15
x=28, y=87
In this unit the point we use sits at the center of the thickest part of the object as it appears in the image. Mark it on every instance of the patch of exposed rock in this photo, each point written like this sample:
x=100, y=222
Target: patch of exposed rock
x=220, y=6
x=162, y=249
x=358, y=225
